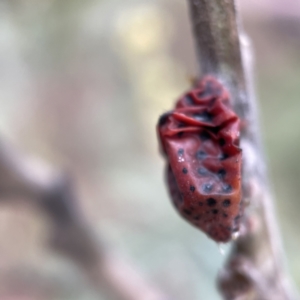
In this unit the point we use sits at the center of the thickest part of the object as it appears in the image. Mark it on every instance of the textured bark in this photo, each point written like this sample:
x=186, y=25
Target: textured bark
x=255, y=268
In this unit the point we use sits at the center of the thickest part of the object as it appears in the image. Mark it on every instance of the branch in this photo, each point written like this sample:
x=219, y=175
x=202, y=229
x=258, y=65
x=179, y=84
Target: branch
x=52, y=192
x=255, y=268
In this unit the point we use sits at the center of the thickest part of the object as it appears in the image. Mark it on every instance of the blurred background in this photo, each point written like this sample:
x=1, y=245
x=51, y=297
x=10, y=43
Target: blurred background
x=82, y=86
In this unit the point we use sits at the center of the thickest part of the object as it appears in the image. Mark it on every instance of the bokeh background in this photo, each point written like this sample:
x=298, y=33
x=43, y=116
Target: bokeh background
x=82, y=84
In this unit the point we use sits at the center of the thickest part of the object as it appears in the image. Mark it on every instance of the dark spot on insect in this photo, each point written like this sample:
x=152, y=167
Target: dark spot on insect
x=204, y=136
x=184, y=171
x=222, y=173
x=237, y=218
x=200, y=154
x=180, y=152
x=226, y=203
x=207, y=187
x=227, y=188
x=197, y=218
x=187, y=212
x=222, y=142
x=202, y=171
x=225, y=215
x=211, y=202
x=181, y=125
x=180, y=134
x=224, y=156
x=204, y=116
x=215, y=130
x=215, y=211
x=192, y=188
x=189, y=99
x=200, y=204
x=163, y=119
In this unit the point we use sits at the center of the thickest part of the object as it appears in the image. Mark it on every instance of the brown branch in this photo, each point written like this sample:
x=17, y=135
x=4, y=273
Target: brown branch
x=71, y=235
x=255, y=268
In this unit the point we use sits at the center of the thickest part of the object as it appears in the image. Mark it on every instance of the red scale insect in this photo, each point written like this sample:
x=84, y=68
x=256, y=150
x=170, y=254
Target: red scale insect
x=200, y=141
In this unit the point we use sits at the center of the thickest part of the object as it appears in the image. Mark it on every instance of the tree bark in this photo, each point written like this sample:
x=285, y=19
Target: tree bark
x=255, y=268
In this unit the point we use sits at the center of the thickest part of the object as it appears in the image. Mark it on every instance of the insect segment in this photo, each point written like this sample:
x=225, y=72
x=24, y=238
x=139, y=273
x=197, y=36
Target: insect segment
x=200, y=141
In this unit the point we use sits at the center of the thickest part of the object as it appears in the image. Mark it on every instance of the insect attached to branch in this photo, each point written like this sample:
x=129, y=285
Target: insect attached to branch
x=200, y=141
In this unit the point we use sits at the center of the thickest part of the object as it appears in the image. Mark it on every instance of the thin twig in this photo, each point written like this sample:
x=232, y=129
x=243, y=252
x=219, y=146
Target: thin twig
x=52, y=191
x=255, y=268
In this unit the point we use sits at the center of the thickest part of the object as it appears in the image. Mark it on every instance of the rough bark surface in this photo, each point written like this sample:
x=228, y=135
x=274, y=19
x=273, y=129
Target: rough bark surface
x=255, y=268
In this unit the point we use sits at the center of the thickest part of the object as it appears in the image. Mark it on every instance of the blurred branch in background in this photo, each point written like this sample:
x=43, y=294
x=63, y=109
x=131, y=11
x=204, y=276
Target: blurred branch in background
x=71, y=70
x=255, y=267
x=52, y=192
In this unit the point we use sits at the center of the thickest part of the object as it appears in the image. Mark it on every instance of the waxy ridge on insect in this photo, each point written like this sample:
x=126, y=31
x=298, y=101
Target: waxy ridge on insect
x=200, y=141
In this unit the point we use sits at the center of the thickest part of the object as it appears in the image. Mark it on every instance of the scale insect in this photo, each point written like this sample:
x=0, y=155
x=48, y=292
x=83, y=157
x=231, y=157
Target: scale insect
x=200, y=142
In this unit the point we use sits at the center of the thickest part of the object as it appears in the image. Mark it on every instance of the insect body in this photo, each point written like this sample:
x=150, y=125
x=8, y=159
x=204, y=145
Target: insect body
x=200, y=141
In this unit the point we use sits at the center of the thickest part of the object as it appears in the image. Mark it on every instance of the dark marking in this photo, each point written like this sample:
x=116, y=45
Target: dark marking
x=226, y=203
x=200, y=154
x=237, y=218
x=200, y=204
x=187, y=212
x=215, y=211
x=181, y=125
x=202, y=171
x=180, y=152
x=184, y=171
x=215, y=130
x=211, y=202
x=204, y=136
x=207, y=187
x=163, y=119
x=224, y=156
x=204, y=116
x=180, y=134
x=222, y=142
x=222, y=173
x=227, y=188
x=225, y=215
x=197, y=218
x=192, y=188
x=189, y=99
